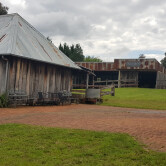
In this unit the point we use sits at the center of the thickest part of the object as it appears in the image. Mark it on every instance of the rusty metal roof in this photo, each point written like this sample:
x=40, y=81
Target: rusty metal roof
x=125, y=64
x=19, y=38
x=98, y=66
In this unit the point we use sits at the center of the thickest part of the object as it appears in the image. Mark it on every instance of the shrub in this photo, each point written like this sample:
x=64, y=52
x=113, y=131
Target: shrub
x=3, y=100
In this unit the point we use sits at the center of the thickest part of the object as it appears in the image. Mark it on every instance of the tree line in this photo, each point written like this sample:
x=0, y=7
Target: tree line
x=75, y=53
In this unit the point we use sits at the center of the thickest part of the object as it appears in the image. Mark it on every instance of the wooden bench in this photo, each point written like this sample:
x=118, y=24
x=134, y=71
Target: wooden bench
x=17, y=97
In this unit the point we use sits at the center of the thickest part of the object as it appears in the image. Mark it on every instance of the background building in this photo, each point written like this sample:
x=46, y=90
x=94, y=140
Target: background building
x=147, y=73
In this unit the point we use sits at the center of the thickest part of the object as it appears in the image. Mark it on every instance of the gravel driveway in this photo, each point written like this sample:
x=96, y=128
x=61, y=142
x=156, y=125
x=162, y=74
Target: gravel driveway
x=148, y=126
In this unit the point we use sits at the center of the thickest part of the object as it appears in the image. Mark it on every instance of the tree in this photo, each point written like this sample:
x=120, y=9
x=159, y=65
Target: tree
x=61, y=47
x=163, y=61
x=65, y=49
x=3, y=9
x=92, y=59
x=74, y=52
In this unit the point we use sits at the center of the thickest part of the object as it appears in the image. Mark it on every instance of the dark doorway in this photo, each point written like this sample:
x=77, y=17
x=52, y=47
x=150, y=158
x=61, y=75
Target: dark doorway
x=147, y=79
x=106, y=75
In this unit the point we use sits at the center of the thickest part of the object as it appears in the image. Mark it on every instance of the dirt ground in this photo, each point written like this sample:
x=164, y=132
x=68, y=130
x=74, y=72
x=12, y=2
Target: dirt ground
x=147, y=126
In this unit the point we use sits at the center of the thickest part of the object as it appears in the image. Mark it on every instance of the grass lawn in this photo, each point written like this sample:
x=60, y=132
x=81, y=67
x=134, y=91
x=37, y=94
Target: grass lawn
x=23, y=145
x=137, y=98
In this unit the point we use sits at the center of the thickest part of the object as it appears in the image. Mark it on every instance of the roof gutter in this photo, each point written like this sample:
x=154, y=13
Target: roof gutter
x=42, y=61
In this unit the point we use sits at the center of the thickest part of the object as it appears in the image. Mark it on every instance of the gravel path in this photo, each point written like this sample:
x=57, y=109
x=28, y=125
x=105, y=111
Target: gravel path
x=148, y=126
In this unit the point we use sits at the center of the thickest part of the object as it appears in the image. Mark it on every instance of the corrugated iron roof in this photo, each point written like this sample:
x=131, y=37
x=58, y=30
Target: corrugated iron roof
x=125, y=64
x=18, y=37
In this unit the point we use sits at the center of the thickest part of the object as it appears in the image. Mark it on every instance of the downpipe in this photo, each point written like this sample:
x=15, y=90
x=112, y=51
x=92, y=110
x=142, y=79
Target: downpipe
x=6, y=74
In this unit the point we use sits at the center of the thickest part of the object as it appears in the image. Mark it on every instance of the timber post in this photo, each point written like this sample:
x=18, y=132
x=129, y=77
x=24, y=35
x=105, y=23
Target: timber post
x=119, y=79
x=93, y=82
x=87, y=80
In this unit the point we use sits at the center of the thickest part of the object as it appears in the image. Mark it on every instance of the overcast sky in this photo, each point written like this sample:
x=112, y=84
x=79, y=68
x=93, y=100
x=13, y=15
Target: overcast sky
x=107, y=29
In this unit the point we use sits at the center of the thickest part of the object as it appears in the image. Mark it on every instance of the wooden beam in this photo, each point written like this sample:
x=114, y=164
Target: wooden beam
x=87, y=80
x=119, y=81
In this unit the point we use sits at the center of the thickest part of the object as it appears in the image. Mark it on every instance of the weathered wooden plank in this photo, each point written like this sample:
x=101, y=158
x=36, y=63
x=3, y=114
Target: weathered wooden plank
x=161, y=80
x=2, y=76
x=33, y=77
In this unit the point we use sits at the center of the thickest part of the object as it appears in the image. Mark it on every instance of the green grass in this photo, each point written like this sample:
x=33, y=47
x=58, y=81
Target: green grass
x=23, y=145
x=79, y=93
x=137, y=98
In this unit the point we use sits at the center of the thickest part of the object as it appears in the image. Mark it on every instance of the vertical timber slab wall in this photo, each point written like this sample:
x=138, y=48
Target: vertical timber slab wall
x=33, y=77
x=2, y=76
x=131, y=77
x=161, y=80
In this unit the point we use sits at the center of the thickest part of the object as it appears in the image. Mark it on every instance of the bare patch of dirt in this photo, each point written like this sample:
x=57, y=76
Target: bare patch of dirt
x=148, y=126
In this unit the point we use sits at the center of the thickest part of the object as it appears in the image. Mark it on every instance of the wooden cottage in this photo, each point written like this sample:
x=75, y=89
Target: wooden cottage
x=29, y=62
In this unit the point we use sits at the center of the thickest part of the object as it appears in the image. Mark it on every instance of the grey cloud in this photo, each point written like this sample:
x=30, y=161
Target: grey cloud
x=61, y=23
x=107, y=28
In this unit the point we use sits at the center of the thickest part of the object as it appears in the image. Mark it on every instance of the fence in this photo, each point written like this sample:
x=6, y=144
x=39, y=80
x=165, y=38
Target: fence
x=105, y=90
x=105, y=83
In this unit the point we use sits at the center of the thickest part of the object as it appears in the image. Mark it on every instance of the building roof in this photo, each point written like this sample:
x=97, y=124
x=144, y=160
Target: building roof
x=125, y=64
x=19, y=38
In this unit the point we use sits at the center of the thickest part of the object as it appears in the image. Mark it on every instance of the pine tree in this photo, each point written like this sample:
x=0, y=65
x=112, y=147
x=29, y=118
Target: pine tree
x=3, y=9
x=61, y=47
x=74, y=52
